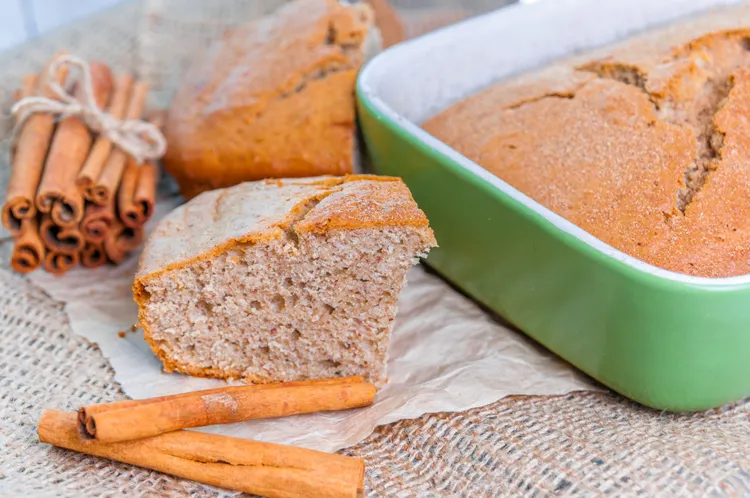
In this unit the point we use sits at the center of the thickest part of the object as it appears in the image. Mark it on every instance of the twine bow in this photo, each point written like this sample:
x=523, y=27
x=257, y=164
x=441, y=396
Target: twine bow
x=138, y=138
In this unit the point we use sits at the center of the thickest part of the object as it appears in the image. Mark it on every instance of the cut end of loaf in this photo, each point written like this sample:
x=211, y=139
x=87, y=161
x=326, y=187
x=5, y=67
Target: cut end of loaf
x=316, y=299
x=297, y=308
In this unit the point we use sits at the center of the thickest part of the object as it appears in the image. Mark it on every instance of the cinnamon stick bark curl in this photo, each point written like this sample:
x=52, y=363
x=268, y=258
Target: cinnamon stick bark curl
x=28, y=248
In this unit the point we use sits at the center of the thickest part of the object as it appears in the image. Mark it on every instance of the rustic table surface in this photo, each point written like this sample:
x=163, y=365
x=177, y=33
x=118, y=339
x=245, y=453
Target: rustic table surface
x=585, y=444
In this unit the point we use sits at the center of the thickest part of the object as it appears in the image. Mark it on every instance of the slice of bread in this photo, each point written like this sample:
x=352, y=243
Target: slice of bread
x=281, y=280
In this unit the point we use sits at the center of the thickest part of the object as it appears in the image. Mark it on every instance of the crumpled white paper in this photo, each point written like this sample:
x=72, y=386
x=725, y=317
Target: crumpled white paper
x=446, y=355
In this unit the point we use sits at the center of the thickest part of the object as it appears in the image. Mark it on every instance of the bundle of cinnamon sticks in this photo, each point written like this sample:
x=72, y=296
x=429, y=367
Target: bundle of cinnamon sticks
x=149, y=433
x=74, y=197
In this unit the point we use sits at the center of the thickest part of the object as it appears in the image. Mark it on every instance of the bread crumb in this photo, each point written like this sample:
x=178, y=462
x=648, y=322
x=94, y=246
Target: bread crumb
x=121, y=334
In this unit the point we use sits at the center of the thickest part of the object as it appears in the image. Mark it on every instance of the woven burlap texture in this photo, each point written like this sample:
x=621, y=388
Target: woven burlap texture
x=587, y=444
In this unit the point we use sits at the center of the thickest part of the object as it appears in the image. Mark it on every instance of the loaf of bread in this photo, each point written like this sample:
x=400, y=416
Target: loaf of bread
x=281, y=280
x=272, y=99
x=645, y=145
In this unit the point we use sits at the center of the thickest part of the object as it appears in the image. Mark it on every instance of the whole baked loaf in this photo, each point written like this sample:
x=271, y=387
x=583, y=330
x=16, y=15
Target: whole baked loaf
x=281, y=280
x=272, y=99
x=646, y=144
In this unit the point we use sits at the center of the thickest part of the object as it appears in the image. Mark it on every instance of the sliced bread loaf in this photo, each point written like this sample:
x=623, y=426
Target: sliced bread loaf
x=281, y=280
x=272, y=99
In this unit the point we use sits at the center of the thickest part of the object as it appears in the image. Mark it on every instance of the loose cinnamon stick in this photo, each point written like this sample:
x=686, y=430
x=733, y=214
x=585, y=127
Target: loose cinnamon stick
x=84, y=412
x=253, y=467
x=144, y=418
x=66, y=240
x=102, y=147
x=58, y=263
x=121, y=240
x=97, y=221
x=28, y=248
x=58, y=193
x=29, y=152
x=109, y=179
x=93, y=255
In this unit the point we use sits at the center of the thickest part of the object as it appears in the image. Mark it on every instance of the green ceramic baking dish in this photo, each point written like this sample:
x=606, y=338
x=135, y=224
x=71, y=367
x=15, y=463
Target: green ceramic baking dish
x=669, y=341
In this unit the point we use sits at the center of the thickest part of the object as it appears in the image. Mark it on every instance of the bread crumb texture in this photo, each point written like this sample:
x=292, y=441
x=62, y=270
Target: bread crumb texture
x=645, y=144
x=274, y=98
x=281, y=280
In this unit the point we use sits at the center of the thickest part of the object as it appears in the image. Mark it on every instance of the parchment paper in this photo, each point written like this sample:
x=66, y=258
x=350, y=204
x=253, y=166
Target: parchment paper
x=446, y=355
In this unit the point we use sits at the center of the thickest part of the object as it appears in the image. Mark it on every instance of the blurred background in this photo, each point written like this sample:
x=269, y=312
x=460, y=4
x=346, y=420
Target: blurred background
x=22, y=20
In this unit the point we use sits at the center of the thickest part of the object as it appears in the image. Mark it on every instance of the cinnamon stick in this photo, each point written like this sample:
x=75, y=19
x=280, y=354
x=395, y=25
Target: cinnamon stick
x=138, y=210
x=66, y=240
x=58, y=263
x=253, y=467
x=129, y=212
x=106, y=185
x=9, y=218
x=145, y=192
x=97, y=220
x=71, y=143
x=28, y=153
x=128, y=403
x=125, y=421
x=102, y=147
x=121, y=240
x=28, y=248
x=93, y=255
x=137, y=193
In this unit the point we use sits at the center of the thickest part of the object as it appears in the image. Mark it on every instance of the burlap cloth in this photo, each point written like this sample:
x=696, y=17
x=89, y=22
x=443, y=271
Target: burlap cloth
x=587, y=444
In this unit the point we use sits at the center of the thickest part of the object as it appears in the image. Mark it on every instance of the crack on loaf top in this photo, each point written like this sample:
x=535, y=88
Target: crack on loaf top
x=624, y=73
x=550, y=95
x=300, y=212
x=709, y=141
x=217, y=210
x=697, y=113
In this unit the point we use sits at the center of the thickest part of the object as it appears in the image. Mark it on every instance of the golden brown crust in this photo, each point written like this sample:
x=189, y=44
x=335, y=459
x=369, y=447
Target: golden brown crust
x=642, y=144
x=365, y=204
x=254, y=212
x=272, y=99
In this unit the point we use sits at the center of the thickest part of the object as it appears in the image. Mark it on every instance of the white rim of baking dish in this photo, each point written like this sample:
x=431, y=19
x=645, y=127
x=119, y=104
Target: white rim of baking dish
x=394, y=59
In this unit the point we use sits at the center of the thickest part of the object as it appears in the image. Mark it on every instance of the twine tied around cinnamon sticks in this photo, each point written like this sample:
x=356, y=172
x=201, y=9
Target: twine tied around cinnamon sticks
x=73, y=195
x=140, y=139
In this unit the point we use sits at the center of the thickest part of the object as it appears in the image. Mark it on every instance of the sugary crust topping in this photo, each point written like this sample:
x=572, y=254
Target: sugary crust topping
x=364, y=204
x=255, y=212
x=642, y=144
